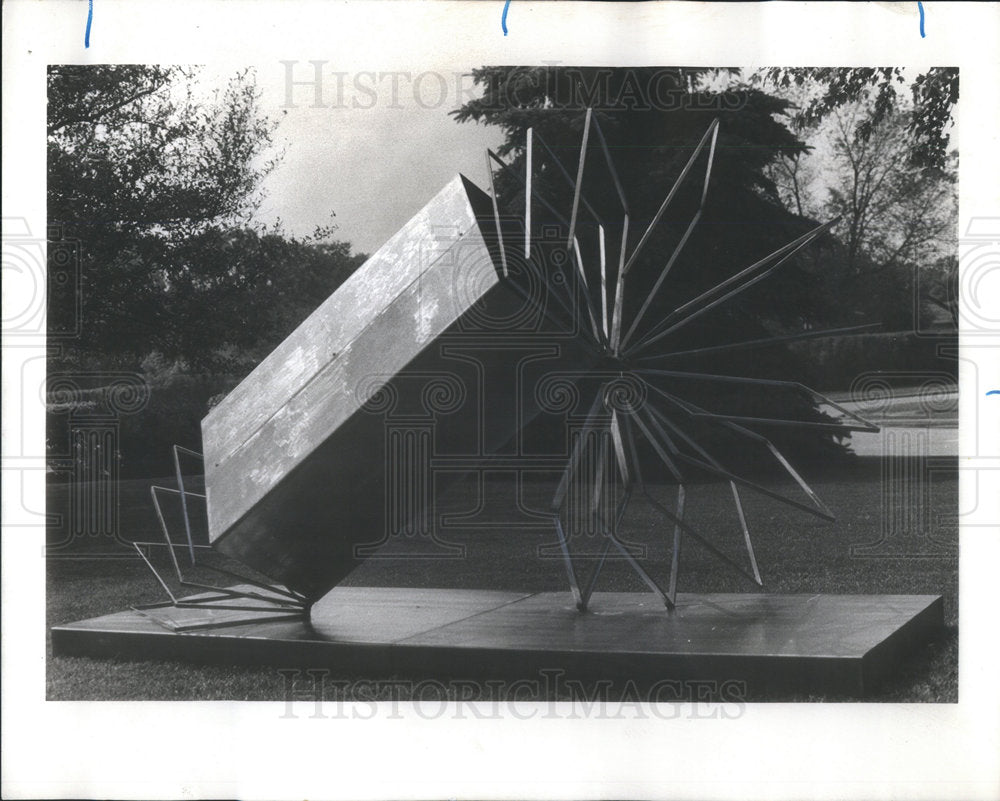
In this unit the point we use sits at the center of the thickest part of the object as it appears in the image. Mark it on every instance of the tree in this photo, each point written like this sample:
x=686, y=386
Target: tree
x=899, y=215
x=238, y=292
x=895, y=211
x=138, y=166
x=933, y=95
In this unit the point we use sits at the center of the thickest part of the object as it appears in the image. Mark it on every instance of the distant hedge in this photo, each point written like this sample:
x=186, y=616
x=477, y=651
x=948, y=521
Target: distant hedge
x=171, y=414
x=903, y=359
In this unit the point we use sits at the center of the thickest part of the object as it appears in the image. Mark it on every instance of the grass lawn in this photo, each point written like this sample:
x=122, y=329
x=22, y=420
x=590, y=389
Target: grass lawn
x=796, y=552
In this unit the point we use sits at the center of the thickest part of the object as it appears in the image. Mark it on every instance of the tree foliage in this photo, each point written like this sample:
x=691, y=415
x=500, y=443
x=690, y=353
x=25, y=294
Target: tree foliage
x=900, y=214
x=157, y=180
x=933, y=95
x=131, y=147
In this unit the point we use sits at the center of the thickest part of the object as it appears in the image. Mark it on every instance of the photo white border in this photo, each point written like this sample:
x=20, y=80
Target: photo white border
x=245, y=750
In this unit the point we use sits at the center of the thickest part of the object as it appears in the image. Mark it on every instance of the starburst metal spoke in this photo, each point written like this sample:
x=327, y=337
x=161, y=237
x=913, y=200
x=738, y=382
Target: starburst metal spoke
x=762, y=342
x=529, y=170
x=862, y=425
x=653, y=293
x=723, y=473
x=579, y=178
x=579, y=274
x=568, y=178
x=591, y=313
x=580, y=197
x=496, y=216
x=589, y=424
x=633, y=452
x=713, y=130
x=779, y=457
x=604, y=280
x=668, y=327
x=615, y=416
x=611, y=164
x=619, y=301
x=651, y=296
x=744, y=528
x=678, y=521
x=567, y=304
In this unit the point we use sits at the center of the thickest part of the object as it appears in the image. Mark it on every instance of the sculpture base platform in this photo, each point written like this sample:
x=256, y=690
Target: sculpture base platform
x=823, y=644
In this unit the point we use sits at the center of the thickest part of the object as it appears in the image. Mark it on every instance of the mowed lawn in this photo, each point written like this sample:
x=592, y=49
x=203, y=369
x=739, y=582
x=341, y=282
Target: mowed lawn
x=888, y=539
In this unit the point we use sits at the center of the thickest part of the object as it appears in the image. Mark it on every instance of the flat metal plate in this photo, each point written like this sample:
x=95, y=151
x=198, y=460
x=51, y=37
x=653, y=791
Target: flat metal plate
x=806, y=643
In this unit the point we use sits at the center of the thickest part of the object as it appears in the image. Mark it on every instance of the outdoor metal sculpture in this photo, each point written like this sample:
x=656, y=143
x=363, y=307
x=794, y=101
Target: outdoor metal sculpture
x=292, y=488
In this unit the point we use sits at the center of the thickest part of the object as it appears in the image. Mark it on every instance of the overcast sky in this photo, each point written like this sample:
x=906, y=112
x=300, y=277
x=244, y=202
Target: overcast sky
x=374, y=156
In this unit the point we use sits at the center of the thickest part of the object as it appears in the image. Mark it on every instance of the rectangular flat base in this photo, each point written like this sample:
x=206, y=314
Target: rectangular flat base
x=825, y=644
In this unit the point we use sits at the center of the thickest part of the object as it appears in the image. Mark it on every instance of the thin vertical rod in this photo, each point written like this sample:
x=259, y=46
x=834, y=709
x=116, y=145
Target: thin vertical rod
x=165, y=530
x=604, y=281
x=527, y=197
x=616, y=317
x=184, y=506
x=496, y=215
x=675, y=557
x=633, y=452
x=586, y=290
x=602, y=457
x=616, y=438
x=579, y=177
